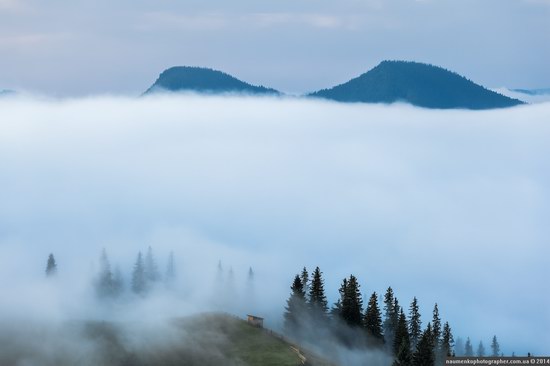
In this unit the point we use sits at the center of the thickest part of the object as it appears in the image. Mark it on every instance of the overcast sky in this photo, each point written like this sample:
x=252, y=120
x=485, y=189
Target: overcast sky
x=79, y=47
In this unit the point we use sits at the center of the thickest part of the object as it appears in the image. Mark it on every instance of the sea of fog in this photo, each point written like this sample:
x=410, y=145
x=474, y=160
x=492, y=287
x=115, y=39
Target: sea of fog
x=449, y=206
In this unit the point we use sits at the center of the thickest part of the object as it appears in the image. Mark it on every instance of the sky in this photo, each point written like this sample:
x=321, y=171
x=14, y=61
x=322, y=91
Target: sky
x=75, y=48
x=449, y=206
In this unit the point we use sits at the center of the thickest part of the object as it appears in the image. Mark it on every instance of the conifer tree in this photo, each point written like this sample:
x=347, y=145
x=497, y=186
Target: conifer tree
x=250, y=274
x=105, y=284
x=139, y=280
x=170, y=269
x=459, y=347
x=415, y=324
x=436, y=327
x=304, y=277
x=447, y=341
x=51, y=266
x=151, y=269
x=336, y=311
x=317, y=298
x=401, y=333
x=468, y=349
x=495, y=347
x=404, y=356
x=373, y=319
x=480, y=349
x=352, y=306
x=296, y=307
x=390, y=318
x=424, y=355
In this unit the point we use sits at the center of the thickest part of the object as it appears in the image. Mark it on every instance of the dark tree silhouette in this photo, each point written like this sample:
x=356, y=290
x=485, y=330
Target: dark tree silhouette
x=170, y=270
x=495, y=347
x=424, y=355
x=352, y=303
x=105, y=286
x=401, y=333
x=436, y=327
x=317, y=298
x=447, y=341
x=51, y=266
x=373, y=319
x=304, y=277
x=151, y=270
x=480, y=349
x=139, y=280
x=468, y=349
x=415, y=323
x=295, y=308
x=390, y=317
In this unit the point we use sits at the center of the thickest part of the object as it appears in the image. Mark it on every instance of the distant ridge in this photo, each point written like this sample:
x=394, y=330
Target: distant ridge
x=6, y=92
x=533, y=92
x=416, y=83
x=203, y=80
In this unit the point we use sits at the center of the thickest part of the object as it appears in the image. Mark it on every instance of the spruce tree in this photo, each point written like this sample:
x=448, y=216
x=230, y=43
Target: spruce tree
x=170, y=269
x=404, y=356
x=352, y=303
x=480, y=349
x=304, y=277
x=373, y=319
x=447, y=341
x=250, y=274
x=401, y=333
x=317, y=298
x=295, y=308
x=51, y=266
x=415, y=324
x=495, y=347
x=336, y=311
x=139, y=280
x=424, y=355
x=468, y=349
x=436, y=327
x=151, y=270
x=389, y=316
x=105, y=284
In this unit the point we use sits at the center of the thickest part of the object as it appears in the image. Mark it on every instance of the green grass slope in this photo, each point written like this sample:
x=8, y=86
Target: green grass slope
x=201, y=340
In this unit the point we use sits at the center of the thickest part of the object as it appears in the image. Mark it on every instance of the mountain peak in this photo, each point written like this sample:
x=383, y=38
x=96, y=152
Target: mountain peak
x=203, y=80
x=416, y=83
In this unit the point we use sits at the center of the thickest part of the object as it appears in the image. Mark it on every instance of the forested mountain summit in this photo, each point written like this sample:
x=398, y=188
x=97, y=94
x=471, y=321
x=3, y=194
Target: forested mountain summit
x=416, y=83
x=203, y=80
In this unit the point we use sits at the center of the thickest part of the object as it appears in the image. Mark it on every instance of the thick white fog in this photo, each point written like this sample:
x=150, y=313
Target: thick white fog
x=448, y=206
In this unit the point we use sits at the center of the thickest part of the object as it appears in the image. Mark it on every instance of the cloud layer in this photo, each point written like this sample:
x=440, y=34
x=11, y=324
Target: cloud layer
x=448, y=206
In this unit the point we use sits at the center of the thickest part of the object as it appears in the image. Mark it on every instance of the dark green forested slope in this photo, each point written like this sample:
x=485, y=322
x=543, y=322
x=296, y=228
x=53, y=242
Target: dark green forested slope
x=418, y=84
x=203, y=80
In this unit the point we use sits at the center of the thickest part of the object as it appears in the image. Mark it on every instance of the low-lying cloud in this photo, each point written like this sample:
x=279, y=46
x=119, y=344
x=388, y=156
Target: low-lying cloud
x=448, y=206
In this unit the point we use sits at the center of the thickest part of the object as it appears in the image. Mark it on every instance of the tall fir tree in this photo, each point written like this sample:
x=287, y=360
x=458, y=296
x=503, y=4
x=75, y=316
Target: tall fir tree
x=51, y=266
x=295, y=308
x=373, y=319
x=352, y=303
x=447, y=341
x=404, y=355
x=336, y=311
x=415, y=323
x=170, y=276
x=139, y=279
x=317, y=298
x=424, y=355
x=480, y=349
x=468, y=349
x=389, y=317
x=436, y=327
x=495, y=347
x=304, y=277
x=401, y=333
x=105, y=283
x=150, y=266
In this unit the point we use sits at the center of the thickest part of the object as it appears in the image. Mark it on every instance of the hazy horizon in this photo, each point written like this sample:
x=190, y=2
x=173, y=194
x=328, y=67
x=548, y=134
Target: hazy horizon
x=72, y=48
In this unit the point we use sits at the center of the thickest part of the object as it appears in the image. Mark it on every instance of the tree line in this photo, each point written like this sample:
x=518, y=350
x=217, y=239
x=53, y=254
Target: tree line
x=397, y=331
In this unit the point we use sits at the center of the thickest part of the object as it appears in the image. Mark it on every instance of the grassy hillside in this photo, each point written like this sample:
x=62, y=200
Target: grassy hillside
x=205, y=340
